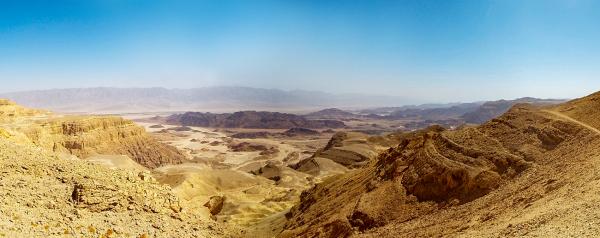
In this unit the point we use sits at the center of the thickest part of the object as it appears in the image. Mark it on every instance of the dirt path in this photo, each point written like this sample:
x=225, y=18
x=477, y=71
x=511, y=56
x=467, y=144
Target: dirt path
x=563, y=116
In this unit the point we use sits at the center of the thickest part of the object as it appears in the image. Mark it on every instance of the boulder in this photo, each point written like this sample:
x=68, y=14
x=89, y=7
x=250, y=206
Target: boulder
x=215, y=204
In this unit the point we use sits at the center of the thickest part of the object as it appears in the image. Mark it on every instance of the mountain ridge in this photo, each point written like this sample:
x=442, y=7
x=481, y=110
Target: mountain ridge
x=514, y=175
x=108, y=99
x=250, y=119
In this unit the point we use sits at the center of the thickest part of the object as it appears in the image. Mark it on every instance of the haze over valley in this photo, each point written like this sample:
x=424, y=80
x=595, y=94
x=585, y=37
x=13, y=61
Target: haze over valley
x=131, y=100
x=307, y=119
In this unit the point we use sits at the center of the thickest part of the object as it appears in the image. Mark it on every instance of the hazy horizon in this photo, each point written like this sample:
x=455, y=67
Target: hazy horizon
x=403, y=102
x=434, y=51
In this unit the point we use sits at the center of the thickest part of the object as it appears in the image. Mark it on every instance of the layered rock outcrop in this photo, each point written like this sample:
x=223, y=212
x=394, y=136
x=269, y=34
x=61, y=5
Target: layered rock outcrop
x=437, y=171
x=9, y=111
x=87, y=136
x=350, y=149
x=46, y=195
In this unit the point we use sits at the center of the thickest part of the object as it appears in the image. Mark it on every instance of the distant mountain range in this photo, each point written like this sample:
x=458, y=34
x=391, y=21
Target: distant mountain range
x=475, y=113
x=385, y=111
x=426, y=114
x=231, y=99
x=493, y=109
x=224, y=99
x=250, y=119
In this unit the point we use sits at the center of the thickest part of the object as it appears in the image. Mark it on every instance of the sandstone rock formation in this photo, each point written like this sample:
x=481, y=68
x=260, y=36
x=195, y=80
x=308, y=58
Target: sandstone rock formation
x=352, y=149
x=528, y=172
x=86, y=136
x=247, y=147
x=46, y=192
x=251, y=135
x=10, y=111
x=215, y=204
x=299, y=131
x=345, y=150
x=45, y=195
x=270, y=171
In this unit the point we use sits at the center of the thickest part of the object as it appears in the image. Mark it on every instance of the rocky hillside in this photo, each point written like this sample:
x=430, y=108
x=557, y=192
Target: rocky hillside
x=492, y=109
x=87, y=136
x=45, y=195
x=9, y=111
x=585, y=110
x=250, y=119
x=84, y=136
x=47, y=192
x=434, y=114
x=530, y=172
x=348, y=149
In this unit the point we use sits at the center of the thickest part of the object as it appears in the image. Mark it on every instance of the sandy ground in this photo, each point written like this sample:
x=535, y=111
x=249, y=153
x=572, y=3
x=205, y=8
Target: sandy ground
x=253, y=202
x=116, y=162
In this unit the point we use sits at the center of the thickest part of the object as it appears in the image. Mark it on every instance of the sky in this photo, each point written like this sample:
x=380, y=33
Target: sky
x=433, y=51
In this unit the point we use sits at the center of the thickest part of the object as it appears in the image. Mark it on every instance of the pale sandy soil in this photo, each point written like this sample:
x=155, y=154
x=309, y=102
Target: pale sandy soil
x=253, y=203
x=116, y=162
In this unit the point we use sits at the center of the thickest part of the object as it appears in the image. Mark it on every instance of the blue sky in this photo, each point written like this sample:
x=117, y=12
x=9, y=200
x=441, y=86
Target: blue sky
x=434, y=51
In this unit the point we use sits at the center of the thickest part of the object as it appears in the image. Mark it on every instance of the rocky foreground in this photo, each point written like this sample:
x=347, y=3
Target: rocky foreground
x=47, y=191
x=44, y=195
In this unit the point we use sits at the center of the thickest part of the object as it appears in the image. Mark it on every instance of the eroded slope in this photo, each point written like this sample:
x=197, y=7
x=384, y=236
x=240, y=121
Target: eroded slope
x=10, y=111
x=346, y=150
x=469, y=182
x=44, y=195
x=86, y=136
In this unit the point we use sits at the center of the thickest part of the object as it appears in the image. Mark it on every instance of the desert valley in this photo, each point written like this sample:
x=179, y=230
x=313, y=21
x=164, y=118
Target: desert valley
x=488, y=169
x=299, y=119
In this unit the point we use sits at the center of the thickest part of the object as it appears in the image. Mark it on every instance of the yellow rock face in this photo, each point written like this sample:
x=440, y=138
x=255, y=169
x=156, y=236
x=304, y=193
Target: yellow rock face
x=46, y=194
x=84, y=136
x=88, y=136
x=5, y=102
x=10, y=111
x=4, y=133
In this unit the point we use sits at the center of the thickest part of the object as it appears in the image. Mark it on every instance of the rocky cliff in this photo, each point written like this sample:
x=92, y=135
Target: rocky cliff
x=86, y=136
x=9, y=111
x=46, y=192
